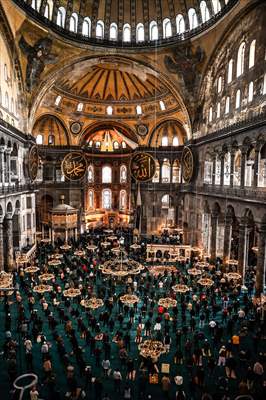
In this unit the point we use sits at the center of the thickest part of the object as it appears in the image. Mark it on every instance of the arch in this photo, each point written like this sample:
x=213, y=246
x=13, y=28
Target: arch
x=252, y=50
x=113, y=33
x=240, y=59
x=230, y=71
x=205, y=14
x=167, y=28
x=164, y=142
x=36, y=4
x=180, y=24
x=176, y=172
x=126, y=33
x=250, y=91
x=99, y=30
x=61, y=17
x=48, y=123
x=90, y=173
x=48, y=11
x=140, y=33
x=219, y=84
x=106, y=174
x=193, y=19
x=170, y=128
x=166, y=171
x=227, y=105
x=216, y=5
x=166, y=201
x=238, y=98
x=86, y=27
x=123, y=174
x=154, y=33
x=9, y=208
x=91, y=199
x=73, y=23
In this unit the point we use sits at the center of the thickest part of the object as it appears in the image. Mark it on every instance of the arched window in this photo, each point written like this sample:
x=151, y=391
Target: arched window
x=175, y=141
x=113, y=31
x=176, y=177
x=193, y=19
x=205, y=15
x=124, y=146
x=99, y=29
x=51, y=139
x=126, y=33
x=264, y=84
x=219, y=84
x=86, y=27
x=166, y=171
x=107, y=174
x=73, y=23
x=139, y=110
x=154, y=34
x=6, y=101
x=48, y=11
x=162, y=105
x=230, y=71
x=252, y=50
x=238, y=98
x=140, y=33
x=90, y=174
x=250, y=92
x=80, y=107
x=36, y=4
x=61, y=16
x=240, y=59
x=39, y=139
x=90, y=144
x=107, y=199
x=165, y=201
x=210, y=114
x=123, y=174
x=122, y=200
x=167, y=28
x=218, y=111
x=91, y=198
x=165, y=141
x=180, y=24
x=216, y=6
x=227, y=168
x=109, y=110
x=208, y=169
x=227, y=105
x=57, y=100
x=116, y=145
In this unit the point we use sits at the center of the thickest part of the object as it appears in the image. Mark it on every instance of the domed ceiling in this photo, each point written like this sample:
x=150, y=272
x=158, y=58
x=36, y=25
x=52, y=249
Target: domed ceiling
x=110, y=82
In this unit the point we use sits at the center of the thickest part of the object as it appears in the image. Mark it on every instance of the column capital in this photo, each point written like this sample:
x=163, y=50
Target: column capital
x=8, y=151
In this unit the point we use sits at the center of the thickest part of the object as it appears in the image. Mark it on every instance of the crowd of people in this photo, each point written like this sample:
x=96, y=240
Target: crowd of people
x=213, y=338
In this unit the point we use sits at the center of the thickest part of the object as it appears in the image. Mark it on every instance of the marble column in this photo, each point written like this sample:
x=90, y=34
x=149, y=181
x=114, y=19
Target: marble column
x=227, y=239
x=261, y=261
x=8, y=166
x=214, y=225
x=243, y=248
x=2, y=164
x=256, y=168
x=222, y=170
x=10, y=250
x=243, y=168
x=2, y=259
x=213, y=169
x=232, y=165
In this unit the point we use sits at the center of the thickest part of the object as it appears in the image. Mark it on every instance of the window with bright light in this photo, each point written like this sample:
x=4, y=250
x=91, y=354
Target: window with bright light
x=250, y=92
x=48, y=11
x=39, y=139
x=205, y=15
x=99, y=30
x=227, y=105
x=240, y=59
x=180, y=24
x=252, y=50
x=107, y=199
x=193, y=19
x=91, y=198
x=264, y=84
x=162, y=105
x=139, y=110
x=61, y=16
x=140, y=33
x=107, y=174
x=126, y=33
x=175, y=141
x=113, y=31
x=154, y=34
x=90, y=174
x=73, y=23
x=123, y=200
x=109, y=110
x=218, y=112
x=116, y=145
x=167, y=28
x=216, y=6
x=80, y=107
x=124, y=145
x=219, y=85
x=230, y=71
x=165, y=141
x=210, y=114
x=238, y=98
x=86, y=27
x=166, y=171
x=57, y=100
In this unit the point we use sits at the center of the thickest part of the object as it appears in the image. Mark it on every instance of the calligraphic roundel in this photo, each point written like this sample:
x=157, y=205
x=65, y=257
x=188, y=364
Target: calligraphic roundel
x=33, y=162
x=74, y=166
x=142, y=167
x=187, y=164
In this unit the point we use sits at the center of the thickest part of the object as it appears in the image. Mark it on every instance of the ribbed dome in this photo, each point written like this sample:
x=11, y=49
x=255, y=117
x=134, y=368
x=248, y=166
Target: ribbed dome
x=128, y=21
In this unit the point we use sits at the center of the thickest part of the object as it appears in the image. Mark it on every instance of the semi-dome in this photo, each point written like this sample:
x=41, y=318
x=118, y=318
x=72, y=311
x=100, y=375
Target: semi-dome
x=130, y=23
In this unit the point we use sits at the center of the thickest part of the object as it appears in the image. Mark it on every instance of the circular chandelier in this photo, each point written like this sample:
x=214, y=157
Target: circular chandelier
x=167, y=302
x=194, y=271
x=205, y=282
x=179, y=288
x=46, y=277
x=31, y=270
x=93, y=303
x=121, y=266
x=129, y=299
x=71, y=292
x=42, y=288
x=151, y=348
x=233, y=276
x=162, y=269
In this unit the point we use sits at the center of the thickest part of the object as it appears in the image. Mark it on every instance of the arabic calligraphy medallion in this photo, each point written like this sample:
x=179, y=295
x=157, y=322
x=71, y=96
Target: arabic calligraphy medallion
x=33, y=162
x=187, y=164
x=74, y=166
x=142, y=167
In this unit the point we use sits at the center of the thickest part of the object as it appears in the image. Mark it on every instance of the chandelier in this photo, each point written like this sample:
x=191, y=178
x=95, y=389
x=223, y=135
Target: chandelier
x=121, y=265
